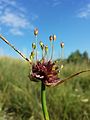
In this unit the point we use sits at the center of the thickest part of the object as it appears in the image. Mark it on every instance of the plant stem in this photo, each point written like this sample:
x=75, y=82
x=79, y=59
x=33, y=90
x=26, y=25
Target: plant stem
x=43, y=101
x=36, y=48
x=6, y=41
x=62, y=53
x=52, y=48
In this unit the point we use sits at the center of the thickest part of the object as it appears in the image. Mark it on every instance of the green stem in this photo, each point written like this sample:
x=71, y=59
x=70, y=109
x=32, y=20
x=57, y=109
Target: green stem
x=36, y=48
x=62, y=53
x=43, y=101
x=52, y=48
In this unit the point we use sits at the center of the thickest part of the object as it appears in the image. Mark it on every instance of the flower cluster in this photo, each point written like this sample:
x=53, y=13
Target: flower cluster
x=44, y=70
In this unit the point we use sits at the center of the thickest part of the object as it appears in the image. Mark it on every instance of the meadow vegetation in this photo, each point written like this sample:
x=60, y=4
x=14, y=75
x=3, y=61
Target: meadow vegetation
x=20, y=97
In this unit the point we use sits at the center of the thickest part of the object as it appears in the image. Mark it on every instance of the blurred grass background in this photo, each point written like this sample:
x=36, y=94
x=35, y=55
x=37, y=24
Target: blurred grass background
x=20, y=97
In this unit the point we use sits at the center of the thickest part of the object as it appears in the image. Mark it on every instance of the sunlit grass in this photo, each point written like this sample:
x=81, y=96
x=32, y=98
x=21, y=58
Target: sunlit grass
x=20, y=98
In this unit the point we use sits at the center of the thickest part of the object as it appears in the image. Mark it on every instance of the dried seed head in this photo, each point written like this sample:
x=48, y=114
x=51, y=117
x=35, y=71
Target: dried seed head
x=33, y=45
x=46, y=48
x=54, y=37
x=35, y=31
x=51, y=38
x=62, y=44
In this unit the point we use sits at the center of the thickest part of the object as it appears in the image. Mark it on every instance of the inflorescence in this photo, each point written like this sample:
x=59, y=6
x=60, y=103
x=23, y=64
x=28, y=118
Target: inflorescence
x=44, y=70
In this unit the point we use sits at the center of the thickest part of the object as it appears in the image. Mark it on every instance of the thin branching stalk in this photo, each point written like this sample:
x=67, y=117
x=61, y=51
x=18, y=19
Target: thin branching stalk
x=68, y=78
x=43, y=53
x=52, y=49
x=36, y=46
x=61, y=56
x=71, y=76
x=43, y=101
x=6, y=41
x=62, y=53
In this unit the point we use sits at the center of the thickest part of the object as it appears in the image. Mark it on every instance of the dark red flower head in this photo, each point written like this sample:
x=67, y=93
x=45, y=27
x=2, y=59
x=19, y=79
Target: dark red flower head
x=45, y=71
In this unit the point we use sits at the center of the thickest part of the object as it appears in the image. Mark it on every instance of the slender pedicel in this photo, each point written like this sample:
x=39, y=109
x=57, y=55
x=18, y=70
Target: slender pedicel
x=62, y=50
x=51, y=49
x=62, y=54
x=54, y=39
x=5, y=40
x=46, y=51
x=42, y=48
x=51, y=38
x=36, y=33
x=36, y=47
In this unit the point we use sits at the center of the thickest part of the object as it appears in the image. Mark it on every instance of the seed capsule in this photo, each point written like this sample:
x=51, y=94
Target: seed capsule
x=41, y=44
x=32, y=54
x=30, y=57
x=51, y=38
x=35, y=31
x=46, y=48
x=54, y=37
x=62, y=44
x=33, y=45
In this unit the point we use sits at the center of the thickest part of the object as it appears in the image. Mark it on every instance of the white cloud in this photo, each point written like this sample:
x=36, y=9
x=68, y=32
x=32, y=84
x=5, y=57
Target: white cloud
x=84, y=12
x=14, y=19
x=15, y=31
x=53, y=3
x=56, y=3
x=15, y=22
x=6, y=3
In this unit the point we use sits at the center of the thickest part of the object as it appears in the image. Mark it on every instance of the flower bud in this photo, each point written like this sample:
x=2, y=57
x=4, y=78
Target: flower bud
x=41, y=44
x=54, y=37
x=51, y=38
x=62, y=44
x=32, y=55
x=46, y=48
x=35, y=31
x=33, y=45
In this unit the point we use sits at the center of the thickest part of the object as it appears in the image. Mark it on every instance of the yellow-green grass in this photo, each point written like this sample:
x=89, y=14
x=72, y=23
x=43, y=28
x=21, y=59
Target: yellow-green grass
x=20, y=97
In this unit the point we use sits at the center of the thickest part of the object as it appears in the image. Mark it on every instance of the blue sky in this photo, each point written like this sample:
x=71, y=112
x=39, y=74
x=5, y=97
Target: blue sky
x=69, y=20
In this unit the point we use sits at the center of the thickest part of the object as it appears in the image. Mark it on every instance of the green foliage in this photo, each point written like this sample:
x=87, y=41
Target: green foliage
x=20, y=97
x=76, y=57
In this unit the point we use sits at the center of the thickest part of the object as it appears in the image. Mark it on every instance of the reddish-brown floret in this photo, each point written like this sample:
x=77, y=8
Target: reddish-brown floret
x=45, y=71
